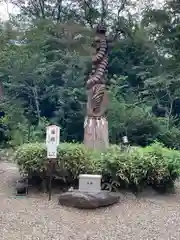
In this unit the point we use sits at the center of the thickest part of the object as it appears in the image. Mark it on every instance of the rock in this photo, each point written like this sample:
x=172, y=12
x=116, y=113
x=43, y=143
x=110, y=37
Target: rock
x=86, y=200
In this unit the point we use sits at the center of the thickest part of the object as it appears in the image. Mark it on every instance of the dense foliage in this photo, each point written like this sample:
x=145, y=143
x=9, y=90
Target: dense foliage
x=154, y=166
x=73, y=158
x=45, y=60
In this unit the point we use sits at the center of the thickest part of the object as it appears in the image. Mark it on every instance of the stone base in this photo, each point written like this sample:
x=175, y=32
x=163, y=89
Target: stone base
x=86, y=200
x=96, y=133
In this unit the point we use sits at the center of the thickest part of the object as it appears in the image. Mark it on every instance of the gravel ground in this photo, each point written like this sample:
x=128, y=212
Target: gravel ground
x=148, y=217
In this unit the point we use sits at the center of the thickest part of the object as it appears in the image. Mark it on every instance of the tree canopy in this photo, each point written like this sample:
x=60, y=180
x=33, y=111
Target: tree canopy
x=45, y=59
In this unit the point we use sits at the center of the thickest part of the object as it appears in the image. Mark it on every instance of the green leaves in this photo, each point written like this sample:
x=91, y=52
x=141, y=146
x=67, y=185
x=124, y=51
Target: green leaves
x=45, y=77
x=74, y=158
x=44, y=58
x=155, y=165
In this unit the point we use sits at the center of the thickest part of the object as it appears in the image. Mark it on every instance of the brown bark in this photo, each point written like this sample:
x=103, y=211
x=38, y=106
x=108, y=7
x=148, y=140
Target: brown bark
x=95, y=125
x=96, y=133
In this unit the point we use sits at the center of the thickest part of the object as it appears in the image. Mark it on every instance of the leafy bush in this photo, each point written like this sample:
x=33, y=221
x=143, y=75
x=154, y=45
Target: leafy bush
x=136, y=168
x=170, y=137
x=154, y=165
x=74, y=158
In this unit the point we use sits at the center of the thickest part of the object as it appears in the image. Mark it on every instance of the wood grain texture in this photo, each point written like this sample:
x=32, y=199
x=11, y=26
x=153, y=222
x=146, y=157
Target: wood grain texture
x=95, y=125
x=96, y=133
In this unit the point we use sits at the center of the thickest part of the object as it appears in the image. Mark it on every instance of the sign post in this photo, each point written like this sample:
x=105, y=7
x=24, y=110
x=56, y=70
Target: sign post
x=52, y=142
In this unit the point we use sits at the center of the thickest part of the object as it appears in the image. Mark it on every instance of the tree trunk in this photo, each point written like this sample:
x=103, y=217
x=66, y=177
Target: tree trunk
x=96, y=135
x=35, y=94
x=95, y=125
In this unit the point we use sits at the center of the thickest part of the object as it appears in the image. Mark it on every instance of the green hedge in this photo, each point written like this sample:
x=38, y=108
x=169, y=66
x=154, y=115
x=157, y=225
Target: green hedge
x=74, y=158
x=154, y=165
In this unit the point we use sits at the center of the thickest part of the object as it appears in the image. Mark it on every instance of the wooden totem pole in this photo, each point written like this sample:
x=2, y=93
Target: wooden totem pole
x=95, y=125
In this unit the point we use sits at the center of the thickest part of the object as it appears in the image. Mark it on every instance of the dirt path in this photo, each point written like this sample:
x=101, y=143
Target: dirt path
x=146, y=218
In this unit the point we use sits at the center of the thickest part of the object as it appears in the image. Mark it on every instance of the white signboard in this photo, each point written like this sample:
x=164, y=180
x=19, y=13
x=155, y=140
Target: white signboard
x=52, y=140
x=53, y=135
x=51, y=151
x=125, y=139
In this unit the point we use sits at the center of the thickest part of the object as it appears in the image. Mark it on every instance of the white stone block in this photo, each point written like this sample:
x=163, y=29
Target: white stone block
x=89, y=183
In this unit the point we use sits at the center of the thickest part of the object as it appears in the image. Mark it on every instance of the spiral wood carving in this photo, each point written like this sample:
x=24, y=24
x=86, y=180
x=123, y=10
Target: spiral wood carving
x=96, y=87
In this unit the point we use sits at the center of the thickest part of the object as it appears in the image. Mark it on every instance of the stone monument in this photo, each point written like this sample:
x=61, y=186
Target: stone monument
x=89, y=195
x=95, y=125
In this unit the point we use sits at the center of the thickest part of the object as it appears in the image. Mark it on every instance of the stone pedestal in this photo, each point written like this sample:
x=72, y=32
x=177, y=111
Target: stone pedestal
x=89, y=183
x=96, y=134
x=88, y=197
x=88, y=200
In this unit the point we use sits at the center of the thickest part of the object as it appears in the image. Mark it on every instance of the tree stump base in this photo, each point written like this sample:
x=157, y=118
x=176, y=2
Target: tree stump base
x=96, y=134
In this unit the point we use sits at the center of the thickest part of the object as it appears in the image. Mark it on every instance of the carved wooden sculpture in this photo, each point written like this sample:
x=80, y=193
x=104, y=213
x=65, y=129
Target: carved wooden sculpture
x=96, y=125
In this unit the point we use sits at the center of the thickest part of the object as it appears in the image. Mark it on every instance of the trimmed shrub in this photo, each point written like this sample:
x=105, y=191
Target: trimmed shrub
x=134, y=168
x=74, y=158
x=154, y=165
